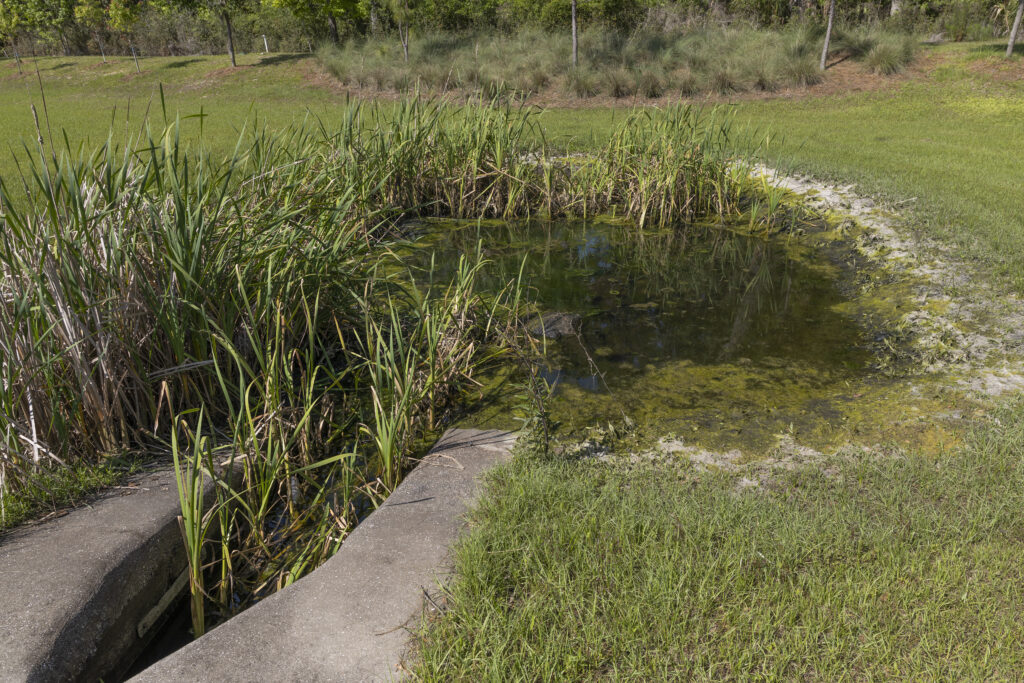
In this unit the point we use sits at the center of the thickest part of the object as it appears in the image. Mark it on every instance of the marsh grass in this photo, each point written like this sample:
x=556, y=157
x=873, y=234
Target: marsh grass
x=251, y=318
x=645, y=63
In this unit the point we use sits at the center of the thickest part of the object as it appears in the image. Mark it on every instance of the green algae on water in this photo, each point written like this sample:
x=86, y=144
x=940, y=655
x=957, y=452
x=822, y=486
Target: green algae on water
x=729, y=339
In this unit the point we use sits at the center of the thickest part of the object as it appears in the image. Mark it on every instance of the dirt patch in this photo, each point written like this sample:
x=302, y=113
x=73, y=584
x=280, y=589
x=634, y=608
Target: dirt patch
x=997, y=68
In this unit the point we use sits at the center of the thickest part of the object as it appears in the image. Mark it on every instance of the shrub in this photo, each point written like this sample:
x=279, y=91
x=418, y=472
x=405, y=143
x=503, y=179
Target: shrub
x=857, y=43
x=536, y=79
x=620, y=82
x=686, y=82
x=431, y=75
x=724, y=80
x=650, y=83
x=884, y=58
x=766, y=78
x=802, y=71
x=582, y=83
x=648, y=63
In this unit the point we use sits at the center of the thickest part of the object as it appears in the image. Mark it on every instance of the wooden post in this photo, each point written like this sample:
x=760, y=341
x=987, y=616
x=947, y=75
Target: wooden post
x=266, y=49
x=136, y=58
x=102, y=51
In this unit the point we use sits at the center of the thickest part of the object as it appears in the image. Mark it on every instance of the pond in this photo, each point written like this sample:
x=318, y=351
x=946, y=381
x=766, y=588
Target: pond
x=729, y=338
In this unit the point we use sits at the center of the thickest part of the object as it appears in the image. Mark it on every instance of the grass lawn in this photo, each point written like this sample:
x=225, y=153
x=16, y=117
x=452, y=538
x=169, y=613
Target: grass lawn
x=893, y=568
x=88, y=99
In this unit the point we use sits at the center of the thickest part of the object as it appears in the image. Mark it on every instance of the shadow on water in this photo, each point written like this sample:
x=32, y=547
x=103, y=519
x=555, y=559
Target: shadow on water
x=709, y=327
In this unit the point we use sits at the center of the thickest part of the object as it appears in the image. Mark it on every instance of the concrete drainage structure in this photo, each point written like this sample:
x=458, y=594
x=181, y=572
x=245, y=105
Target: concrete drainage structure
x=348, y=620
x=82, y=595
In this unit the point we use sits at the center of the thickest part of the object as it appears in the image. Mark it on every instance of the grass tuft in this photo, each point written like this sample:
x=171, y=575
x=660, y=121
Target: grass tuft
x=620, y=83
x=626, y=64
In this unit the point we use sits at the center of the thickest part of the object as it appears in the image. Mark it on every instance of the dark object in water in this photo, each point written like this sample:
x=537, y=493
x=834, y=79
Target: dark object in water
x=553, y=325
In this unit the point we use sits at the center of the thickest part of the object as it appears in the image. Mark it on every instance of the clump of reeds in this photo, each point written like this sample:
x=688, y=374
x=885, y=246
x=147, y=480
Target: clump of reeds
x=250, y=317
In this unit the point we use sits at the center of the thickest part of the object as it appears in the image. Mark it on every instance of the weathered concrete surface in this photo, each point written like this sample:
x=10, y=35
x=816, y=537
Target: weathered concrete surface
x=73, y=589
x=344, y=622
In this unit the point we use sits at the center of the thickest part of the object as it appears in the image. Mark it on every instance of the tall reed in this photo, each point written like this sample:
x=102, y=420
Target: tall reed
x=148, y=284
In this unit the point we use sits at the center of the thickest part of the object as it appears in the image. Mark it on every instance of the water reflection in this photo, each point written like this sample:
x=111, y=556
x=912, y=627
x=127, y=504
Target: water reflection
x=710, y=296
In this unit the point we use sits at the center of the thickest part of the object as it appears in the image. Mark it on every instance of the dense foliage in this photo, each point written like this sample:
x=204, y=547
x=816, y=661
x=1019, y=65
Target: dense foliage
x=172, y=27
x=645, y=64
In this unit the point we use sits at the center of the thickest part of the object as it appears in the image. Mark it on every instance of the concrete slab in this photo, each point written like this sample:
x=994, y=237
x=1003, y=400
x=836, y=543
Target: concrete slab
x=73, y=589
x=345, y=621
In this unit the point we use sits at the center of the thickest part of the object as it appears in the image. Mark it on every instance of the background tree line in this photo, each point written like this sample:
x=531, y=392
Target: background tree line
x=181, y=27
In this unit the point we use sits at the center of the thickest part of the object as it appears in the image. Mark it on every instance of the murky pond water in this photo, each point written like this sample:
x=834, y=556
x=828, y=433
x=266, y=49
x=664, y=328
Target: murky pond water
x=716, y=332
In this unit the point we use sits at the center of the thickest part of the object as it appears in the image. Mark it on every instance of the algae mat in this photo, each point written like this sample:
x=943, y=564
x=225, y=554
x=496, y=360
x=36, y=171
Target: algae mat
x=737, y=336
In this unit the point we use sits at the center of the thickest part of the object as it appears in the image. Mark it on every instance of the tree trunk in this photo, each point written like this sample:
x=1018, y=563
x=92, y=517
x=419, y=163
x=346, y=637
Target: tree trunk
x=374, y=21
x=575, y=37
x=403, y=34
x=1016, y=27
x=828, y=32
x=895, y=7
x=231, y=38
x=103, y=53
x=335, y=35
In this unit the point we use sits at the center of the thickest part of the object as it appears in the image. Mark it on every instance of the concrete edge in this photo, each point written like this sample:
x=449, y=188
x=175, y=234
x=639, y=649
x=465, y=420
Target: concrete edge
x=349, y=619
x=74, y=589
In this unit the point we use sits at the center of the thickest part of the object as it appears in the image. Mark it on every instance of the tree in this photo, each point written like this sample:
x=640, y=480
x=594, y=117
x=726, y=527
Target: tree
x=402, y=13
x=322, y=10
x=91, y=15
x=51, y=19
x=1016, y=27
x=575, y=38
x=223, y=9
x=828, y=31
x=12, y=19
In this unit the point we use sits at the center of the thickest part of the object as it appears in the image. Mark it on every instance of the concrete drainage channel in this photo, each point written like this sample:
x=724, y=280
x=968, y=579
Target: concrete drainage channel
x=82, y=595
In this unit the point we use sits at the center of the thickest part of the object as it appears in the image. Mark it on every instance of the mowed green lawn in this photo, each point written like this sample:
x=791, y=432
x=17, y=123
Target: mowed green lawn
x=89, y=100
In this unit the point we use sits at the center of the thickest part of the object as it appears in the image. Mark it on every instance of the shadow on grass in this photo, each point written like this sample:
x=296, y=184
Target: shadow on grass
x=997, y=49
x=181, y=63
x=282, y=59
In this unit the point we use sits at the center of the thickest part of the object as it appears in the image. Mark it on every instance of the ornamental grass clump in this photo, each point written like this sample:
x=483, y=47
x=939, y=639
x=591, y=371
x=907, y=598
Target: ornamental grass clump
x=722, y=60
